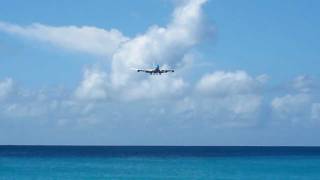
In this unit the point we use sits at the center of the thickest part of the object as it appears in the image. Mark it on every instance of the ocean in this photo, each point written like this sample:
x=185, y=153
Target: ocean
x=158, y=162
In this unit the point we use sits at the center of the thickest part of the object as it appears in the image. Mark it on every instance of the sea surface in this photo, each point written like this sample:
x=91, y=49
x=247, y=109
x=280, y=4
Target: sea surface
x=158, y=162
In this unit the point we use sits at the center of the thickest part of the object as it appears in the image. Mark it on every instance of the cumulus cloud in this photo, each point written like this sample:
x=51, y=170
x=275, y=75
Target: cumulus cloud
x=6, y=87
x=93, y=86
x=299, y=104
x=233, y=94
x=46, y=106
x=225, y=83
x=31, y=109
x=25, y=104
x=156, y=87
x=292, y=105
x=217, y=112
x=302, y=84
x=225, y=99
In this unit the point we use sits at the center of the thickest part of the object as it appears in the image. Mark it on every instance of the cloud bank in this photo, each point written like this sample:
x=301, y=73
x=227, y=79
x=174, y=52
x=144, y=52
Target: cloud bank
x=118, y=99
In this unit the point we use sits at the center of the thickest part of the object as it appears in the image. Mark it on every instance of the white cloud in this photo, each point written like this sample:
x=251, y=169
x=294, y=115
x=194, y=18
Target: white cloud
x=25, y=104
x=226, y=98
x=156, y=87
x=85, y=39
x=25, y=110
x=292, y=107
x=230, y=111
x=224, y=83
x=291, y=104
x=46, y=105
x=299, y=105
x=302, y=84
x=6, y=86
x=93, y=86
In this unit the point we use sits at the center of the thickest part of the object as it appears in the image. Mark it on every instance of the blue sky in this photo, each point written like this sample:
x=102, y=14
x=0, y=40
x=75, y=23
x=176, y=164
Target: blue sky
x=246, y=72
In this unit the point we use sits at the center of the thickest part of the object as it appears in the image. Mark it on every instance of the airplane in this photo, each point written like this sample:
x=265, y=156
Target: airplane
x=157, y=70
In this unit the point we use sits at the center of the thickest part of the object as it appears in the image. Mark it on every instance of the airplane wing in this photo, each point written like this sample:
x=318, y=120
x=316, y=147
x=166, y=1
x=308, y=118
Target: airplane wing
x=145, y=70
x=167, y=70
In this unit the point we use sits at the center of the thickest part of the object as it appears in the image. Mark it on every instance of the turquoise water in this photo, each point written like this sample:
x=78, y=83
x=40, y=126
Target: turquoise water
x=153, y=163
